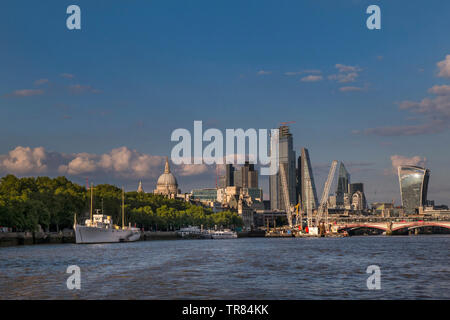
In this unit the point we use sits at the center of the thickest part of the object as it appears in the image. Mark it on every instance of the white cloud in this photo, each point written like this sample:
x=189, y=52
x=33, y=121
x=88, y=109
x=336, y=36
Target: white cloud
x=263, y=72
x=191, y=169
x=344, y=77
x=344, y=68
x=346, y=73
x=444, y=67
x=40, y=82
x=82, y=163
x=398, y=160
x=350, y=89
x=440, y=90
x=121, y=163
x=24, y=160
x=408, y=130
x=294, y=73
x=67, y=75
x=434, y=113
x=438, y=106
x=26, y=92
x=312, y=78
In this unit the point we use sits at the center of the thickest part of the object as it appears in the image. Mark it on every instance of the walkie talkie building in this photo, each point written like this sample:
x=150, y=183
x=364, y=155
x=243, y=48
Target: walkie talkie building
x=413, y=187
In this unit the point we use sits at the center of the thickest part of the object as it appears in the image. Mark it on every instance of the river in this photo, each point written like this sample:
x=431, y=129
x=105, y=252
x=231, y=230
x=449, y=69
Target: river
x=412, y=267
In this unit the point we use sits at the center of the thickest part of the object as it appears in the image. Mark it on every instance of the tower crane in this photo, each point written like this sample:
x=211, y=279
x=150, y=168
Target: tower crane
x=286, y=123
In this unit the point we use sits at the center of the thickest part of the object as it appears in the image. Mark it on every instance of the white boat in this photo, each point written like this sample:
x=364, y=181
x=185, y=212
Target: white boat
x=100, y=229
x=188, y=231
x=224, y=234
x=194, y=232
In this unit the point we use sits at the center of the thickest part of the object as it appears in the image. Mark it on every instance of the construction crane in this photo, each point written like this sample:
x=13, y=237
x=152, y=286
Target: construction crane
x=299, y=213
x=286, y=123
x=287, y=204
x=325, y=193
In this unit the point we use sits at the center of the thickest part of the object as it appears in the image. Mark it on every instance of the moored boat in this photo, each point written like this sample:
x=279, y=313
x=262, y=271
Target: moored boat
x=100, y=228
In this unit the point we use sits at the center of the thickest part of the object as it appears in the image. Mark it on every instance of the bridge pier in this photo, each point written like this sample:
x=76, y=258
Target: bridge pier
x=389, y=229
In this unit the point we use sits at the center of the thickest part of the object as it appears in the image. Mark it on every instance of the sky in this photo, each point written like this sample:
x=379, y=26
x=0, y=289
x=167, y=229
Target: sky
x=102, y=102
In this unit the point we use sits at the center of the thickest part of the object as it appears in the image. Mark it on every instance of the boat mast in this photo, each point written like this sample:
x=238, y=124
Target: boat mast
x=123, y=208
x=92, y=197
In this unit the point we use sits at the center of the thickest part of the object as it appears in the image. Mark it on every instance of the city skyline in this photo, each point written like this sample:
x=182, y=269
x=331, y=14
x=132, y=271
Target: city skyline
x=101, y=103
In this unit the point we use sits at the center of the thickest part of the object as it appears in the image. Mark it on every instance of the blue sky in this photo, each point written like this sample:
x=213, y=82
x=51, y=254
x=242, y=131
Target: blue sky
x=137, y=70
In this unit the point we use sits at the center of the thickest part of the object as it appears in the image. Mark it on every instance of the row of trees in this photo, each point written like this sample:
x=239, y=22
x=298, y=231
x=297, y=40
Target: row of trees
x=26, y=203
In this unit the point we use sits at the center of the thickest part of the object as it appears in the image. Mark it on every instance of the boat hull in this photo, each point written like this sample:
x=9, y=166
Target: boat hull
x=85, y=234
x=224, y=236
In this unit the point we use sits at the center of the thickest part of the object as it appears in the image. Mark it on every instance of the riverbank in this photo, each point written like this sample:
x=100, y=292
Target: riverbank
x=8, y=239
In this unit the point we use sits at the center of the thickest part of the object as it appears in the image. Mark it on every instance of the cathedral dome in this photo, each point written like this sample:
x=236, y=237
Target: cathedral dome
x=167, y=183
x=167, y=179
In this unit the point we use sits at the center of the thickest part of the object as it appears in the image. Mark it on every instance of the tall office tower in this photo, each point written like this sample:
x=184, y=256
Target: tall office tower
x=227, y=180
x=309, y=195
x=286, y=158
x=237, y=177
x=342, y=184
x=245, y=169
x=229, y=175
x=413, y=187
x=252, y=176
x=356, y=187
x=299, y=179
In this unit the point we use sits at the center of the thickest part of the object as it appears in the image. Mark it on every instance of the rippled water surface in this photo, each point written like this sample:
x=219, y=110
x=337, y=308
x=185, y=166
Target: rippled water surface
x=412, y=267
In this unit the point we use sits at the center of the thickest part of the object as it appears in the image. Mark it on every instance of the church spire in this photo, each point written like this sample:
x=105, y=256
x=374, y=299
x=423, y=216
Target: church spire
x=140, y=188
x=167, y=168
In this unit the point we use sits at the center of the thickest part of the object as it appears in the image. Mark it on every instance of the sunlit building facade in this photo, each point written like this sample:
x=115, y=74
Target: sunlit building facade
x=286, y=158
x=413, y=187
x=308, y=187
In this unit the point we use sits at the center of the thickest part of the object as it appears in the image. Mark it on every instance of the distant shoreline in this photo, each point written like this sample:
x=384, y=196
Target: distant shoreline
x=10, y=239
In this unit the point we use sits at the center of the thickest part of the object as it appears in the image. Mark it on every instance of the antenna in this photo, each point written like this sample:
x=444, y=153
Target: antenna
x=123, y=207
x=92, y=198
x=217, y=174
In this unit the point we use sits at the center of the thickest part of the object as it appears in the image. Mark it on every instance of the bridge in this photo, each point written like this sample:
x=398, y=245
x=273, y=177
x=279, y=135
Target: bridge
x=387, y=224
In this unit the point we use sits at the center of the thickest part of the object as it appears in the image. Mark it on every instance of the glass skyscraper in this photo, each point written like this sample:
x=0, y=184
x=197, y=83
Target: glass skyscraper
x=413, y=187
x=342, y=184
x=286, y=156
x=308, y=187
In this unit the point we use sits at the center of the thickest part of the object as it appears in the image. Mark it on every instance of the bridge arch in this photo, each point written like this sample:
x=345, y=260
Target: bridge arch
x=362, y=225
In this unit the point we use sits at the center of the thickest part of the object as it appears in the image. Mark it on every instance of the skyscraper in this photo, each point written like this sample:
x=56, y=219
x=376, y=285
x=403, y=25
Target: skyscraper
x=361, y=198
x=252, y=176
x=229, y=175
x=356, y=187
x=237, y=178
x=308, y=187
x=286, y=157
x=413, y=187
x=342, y=184
x=299, y=179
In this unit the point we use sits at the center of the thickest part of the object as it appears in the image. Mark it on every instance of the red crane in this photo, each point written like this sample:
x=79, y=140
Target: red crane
x=286, y=123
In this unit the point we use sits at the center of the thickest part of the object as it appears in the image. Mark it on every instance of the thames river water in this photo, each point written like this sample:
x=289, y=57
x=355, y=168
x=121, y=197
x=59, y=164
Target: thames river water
x=412, y=267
